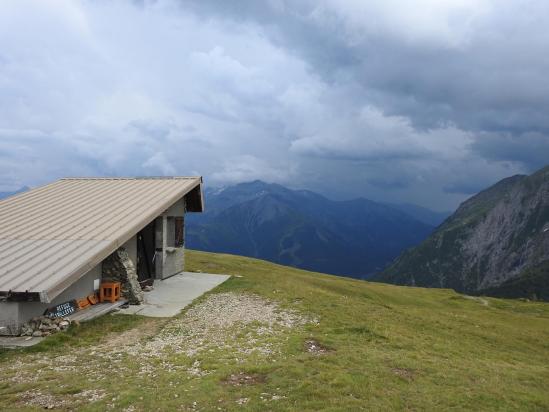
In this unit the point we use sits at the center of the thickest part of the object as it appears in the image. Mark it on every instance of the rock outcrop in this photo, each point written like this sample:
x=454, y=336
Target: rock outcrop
x=119, y=267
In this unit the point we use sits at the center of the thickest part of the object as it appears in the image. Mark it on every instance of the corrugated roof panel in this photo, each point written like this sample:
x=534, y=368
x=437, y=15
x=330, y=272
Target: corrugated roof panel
x=52, y=235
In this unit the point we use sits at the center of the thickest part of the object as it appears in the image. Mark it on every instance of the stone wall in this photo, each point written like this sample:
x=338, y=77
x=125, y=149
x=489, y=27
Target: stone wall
x=120, y=268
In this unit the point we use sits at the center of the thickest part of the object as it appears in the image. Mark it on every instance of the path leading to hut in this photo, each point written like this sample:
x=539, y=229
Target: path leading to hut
x=171, y=295
x=166, y=299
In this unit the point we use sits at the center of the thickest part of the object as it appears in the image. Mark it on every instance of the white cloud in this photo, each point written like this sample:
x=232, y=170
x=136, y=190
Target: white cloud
x=382, y=99
x=245, y=167
x=371, y=135
x=448, y=23
x=159, y=162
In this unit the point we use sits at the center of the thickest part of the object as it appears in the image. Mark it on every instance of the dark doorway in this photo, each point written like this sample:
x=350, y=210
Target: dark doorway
x=145, y=255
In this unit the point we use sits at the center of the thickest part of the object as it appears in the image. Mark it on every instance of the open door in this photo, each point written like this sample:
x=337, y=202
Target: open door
x=145, y=255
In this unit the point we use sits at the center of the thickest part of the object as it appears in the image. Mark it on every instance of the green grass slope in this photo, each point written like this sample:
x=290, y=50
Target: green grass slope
x=390, y=348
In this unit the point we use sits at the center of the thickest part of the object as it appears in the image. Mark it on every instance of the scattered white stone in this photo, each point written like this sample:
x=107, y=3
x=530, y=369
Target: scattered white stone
x=211, y=325
x=37, y=398
x=237, y=324
x=242, y=401
x=91, y=395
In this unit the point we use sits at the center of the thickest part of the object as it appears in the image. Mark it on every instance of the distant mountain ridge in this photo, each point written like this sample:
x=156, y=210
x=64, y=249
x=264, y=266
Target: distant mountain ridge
x=303, y=229
x=497, y=242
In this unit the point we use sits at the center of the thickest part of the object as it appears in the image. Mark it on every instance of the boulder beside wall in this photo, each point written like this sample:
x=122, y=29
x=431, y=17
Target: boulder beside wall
x=120, y=268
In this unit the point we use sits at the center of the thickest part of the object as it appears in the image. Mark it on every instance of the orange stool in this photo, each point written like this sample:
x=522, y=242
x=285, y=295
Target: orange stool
x=109, y=292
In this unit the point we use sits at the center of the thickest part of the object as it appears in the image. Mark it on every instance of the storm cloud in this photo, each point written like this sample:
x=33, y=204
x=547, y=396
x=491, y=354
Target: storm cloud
x=422, y=103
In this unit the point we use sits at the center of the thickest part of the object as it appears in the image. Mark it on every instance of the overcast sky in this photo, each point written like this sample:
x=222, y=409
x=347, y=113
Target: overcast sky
x=426, y=101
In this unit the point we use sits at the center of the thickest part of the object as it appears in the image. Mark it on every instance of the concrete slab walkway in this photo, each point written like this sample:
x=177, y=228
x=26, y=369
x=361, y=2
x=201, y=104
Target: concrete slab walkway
x=92, y=312
x=13, y=342
x=171, y=295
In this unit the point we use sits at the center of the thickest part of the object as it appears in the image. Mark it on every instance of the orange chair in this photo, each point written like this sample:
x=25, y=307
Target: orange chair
x=109, y=292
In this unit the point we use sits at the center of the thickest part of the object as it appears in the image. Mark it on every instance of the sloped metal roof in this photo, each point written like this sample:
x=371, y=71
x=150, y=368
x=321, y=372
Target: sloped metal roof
x=52, y=235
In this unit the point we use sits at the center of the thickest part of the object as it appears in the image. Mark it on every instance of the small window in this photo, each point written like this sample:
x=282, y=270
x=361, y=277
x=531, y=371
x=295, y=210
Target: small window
x=179, y=232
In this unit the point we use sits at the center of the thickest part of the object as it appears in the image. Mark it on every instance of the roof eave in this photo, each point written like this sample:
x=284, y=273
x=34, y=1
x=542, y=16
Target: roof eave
x=194, y=199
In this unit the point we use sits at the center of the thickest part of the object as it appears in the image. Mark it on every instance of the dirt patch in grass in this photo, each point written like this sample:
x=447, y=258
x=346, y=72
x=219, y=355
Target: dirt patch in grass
x=242, y=378
x=404, y=373
x=43, y=400
x=315, y=347
x=91, y=395
x=147, y=329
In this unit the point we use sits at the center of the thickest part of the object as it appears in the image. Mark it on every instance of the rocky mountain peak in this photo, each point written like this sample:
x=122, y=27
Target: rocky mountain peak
x=494, y=238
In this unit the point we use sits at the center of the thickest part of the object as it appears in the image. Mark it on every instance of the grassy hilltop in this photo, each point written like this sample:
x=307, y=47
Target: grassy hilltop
x=333, y=344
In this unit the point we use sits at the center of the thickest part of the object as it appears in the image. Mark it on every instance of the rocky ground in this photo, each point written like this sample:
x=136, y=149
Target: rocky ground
x=232, y=325
x=43, y=326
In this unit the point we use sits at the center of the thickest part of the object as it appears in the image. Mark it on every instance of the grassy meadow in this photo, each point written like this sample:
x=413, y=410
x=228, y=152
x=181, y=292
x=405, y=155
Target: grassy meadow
x=382, y=347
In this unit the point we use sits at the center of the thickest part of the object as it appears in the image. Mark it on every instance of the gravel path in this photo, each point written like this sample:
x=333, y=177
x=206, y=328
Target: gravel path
x=228, y=324
x=218, y=321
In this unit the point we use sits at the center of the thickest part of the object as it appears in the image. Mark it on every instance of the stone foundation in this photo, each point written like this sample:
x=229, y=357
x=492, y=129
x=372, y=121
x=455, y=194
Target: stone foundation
x=120, y=268
x=44, y=326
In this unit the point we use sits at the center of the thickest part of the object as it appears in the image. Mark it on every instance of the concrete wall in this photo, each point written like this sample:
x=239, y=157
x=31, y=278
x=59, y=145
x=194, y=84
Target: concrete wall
x=177, y=209
x=170, y=260
x=175, y=261
x=81, y=288
x=21, y=312
x=9, y=318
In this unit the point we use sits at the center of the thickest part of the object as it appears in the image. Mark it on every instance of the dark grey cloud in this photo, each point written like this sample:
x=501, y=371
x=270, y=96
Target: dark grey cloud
x=529, y=148
x=383, y=183
x=465, y=187
x=422, y=102
x=485, y=75
x=483, y=71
